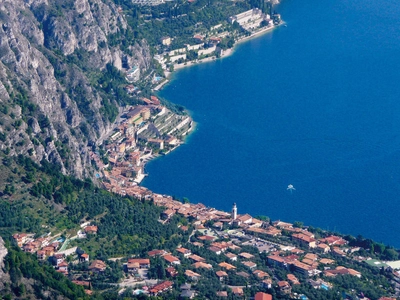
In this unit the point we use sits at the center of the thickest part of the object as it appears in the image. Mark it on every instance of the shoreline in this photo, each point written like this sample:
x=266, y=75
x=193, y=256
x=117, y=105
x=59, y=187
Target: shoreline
x=259, y=33
x=226, y=53
x=139, y=179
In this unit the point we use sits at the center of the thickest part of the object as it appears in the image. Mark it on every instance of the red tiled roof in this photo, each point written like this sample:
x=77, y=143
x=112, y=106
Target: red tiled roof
x=91, y=229
x=221, y=274
x=183, y=250
x=226, y=266
x=303, y=237
x=206, y=238
x=169, y=258
x=142, y=261
x=190, y=273
x=246, y=255
x=262, y=296
x=201, y=264
x=161, y=287
x=98, y=264
x=196, y=258
x=156, y=252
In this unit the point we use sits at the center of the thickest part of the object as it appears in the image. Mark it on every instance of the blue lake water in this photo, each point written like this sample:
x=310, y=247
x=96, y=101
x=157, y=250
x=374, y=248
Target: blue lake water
x=315, y=104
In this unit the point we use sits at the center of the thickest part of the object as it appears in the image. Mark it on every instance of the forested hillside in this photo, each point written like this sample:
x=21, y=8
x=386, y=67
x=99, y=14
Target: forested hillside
x=40, y=199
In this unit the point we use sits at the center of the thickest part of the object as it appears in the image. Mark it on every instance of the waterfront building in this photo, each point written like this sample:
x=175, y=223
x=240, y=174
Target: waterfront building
x=159, y=143
x=177, y=57
x=207, y=51
x=249, y=19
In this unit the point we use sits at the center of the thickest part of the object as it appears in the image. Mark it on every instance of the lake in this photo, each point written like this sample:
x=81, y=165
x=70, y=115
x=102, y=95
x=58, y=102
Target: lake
x=315, y=104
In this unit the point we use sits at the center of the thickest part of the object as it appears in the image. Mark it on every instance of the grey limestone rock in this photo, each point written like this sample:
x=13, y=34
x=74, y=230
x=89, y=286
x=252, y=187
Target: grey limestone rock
x=3, y=252
x=36, y=39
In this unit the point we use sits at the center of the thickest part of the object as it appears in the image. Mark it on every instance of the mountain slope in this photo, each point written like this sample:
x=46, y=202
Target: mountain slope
x=51, y=104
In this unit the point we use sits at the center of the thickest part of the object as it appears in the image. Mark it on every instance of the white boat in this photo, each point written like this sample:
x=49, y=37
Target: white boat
x=290, y=187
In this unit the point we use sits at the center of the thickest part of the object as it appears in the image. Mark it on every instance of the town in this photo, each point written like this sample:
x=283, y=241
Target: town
x=227, y=255
x=245, y=255
x=145, y=132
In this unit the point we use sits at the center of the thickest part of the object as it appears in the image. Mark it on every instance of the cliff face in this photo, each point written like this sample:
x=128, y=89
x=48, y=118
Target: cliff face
x=49, y=107
x=3, y=276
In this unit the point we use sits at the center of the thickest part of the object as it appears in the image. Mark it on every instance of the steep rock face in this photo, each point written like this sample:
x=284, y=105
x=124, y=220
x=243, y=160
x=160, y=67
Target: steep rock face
x=3, y=252
x=49, y=108
x=80, y=25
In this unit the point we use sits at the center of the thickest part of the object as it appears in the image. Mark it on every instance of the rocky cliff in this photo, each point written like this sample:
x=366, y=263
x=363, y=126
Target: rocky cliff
x=50, y=53
x=3, y=276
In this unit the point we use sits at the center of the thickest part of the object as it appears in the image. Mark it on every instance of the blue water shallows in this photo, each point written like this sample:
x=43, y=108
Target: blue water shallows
x=315, y=104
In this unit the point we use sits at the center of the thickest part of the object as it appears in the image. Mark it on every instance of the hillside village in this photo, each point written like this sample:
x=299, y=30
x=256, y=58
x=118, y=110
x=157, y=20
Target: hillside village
x=243, y=254
x=233, y=255
x=145, y=131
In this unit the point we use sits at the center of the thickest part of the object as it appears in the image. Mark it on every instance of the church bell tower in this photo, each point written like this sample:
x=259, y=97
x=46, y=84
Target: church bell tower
x=234, y=212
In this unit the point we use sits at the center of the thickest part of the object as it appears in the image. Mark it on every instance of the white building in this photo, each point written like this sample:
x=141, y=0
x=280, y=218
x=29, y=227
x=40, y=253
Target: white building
x=207, y=51
x=133, y=74
x=177, y=57
x=249, y=19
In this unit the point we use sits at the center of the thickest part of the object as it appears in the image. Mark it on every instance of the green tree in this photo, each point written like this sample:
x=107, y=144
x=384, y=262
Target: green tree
x=390, y=254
